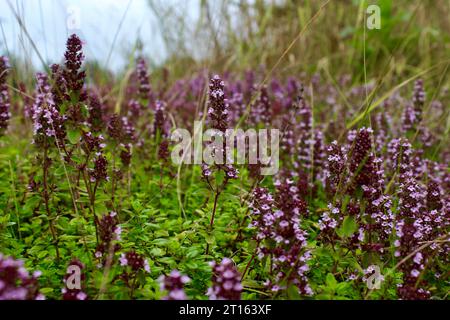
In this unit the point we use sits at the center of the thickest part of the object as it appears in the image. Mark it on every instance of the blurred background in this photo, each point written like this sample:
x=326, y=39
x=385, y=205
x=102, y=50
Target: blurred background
x=185, y=36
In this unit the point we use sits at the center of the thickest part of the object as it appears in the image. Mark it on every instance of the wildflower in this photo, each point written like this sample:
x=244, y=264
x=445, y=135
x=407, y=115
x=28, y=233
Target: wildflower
x=129, y=132
x=261, y=207
x=99, y=172
x=144, y=83
x=412, y=115
x=59, y=85
x=218, y=115
x=174, y=285
x=336, y=163
x=135, y=261
x=15, y=281
x=109, y=232
x=206, y=171
x=326, y=222
x=282, y=226
x=48, y=123
x=159, y=121
x=361, y=162
x=217, y=109
x=163, y=150
x=125, y=154
x=92, y=143
x=134, y=109
x=115, y=128
x=410, y=230
x=4, y=95
x=73, y=76
x=96, y=114
x=306, y=141
x=226, y=281
x=70, y=292
x=261, y=111
x=418, y=99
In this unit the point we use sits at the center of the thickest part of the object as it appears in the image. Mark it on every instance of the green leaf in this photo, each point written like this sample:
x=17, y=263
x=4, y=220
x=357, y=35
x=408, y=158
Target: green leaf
x=331, y=281
x=293, y=293
x=46, y=290
x=157, y=252
x=73, y=136
x=348, y=228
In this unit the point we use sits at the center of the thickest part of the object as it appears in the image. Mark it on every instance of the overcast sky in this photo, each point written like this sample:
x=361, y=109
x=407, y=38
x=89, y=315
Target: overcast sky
x=96, y=21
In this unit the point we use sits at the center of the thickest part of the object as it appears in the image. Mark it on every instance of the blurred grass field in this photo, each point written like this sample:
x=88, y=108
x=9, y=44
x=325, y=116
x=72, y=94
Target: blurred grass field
x=304, y=38
x=323, y=35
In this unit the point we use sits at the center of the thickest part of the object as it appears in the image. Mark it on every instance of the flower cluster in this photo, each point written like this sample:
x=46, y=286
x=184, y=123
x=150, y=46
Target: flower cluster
x=134, y=265
x=4, y=95
x=218, y=115
x=217, y=110
x=411, y=228
x=226, y=281
x=328, y=222
x=109, y=232
x=262, y=110
x=96, y=117
x=305, y=142
x=59, y=85
x=134, y=109
x=135, y=261
x=73, y=282
x=261, y=207
x=115, y=128
x=362, y=158
x=144, y=83
x=73, y=76
x=284, y=240
x=48, y=123
x=125, y=154
x=335, y=165
x=15, y=281
x=412, y=115
x=163, y=151
x=93, y=143
x=158, y=125
x=174, y=285
x=100, y=171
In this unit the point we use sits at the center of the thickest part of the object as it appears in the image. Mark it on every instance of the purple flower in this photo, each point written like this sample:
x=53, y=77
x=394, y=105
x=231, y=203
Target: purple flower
x=217, y=105
x=282, y=227
x=174, y=285
x=109, y=232
x=115, y=128
x=361, y=161
x=335, y=164
x=261, y=111
x=226, y=281
x=69, y=291
x=158, y=125
x=48, y=123
x=15, y=281
x=135, y=261
x=73, y=76
x=163, y=151
x=96, y=117
x=144, y=83
x=125, y=154
x=100, y=171
x=4, y=95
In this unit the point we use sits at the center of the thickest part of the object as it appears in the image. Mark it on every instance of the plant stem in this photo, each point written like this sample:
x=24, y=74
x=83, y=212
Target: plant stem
x=46, y=201
x=16, y=206
x=214, y=209
x=211, y=224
